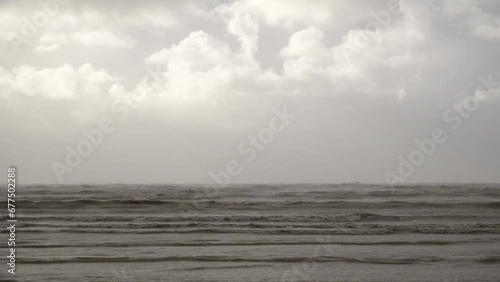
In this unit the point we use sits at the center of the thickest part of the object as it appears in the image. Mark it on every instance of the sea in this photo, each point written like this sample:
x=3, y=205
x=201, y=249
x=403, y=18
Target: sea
x=261, y=232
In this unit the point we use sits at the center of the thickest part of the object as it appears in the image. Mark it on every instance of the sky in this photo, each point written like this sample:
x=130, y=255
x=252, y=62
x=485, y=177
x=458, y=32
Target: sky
x=250, y=91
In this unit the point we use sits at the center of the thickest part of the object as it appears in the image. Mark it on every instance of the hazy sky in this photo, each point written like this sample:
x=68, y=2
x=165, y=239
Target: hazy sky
x=363, y=79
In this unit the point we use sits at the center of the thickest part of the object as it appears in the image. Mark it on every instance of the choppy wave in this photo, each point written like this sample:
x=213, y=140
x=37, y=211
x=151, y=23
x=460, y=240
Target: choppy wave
x=252, y=229
x=66, y=204
x=342, y=217
x=372, y=260
x=406, y=214
x=301, y=243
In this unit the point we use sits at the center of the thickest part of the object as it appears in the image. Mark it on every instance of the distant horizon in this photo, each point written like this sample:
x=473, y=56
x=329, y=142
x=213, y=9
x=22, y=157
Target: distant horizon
x=263, y=183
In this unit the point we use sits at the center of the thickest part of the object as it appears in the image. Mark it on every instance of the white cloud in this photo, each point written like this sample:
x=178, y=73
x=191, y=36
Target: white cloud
x=198, y=52
x=6, y=83
x=484, y=25
x=298, y=14
x=246, y=29
x=474, y=16
x=158, y=17
x=203, y=66
x=89, y=24
x=306, y=53
x=56, y=83
x=200, y=66
x=285, y=12
x=47, y=48
x=101, y=37
x=51, y=37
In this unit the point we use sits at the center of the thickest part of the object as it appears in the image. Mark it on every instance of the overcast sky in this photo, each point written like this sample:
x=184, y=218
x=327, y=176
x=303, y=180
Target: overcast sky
x=363, y=79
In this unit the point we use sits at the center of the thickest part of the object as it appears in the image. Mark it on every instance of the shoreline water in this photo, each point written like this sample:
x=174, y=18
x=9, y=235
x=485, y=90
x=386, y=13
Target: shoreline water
x=256, y=233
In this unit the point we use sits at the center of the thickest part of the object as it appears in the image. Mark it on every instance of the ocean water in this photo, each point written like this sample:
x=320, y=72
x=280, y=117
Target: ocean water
x=300, y=232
